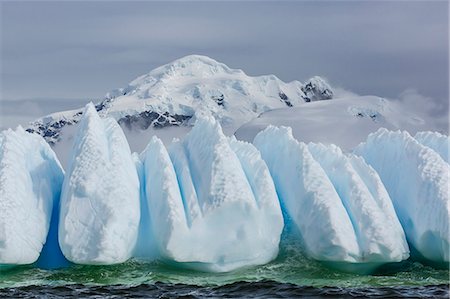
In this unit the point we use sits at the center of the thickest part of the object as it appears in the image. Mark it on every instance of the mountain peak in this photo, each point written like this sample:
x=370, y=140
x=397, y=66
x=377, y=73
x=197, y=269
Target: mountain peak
x=191, y=65
x=171, y=94
x=188, y=67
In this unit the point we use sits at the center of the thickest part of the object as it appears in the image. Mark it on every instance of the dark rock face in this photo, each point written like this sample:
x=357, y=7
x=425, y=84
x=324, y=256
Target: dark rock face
x=285, y=98
x=146, y=119
x=317, y=90
x=51, y=131
x=219, y=99
x=375, y=116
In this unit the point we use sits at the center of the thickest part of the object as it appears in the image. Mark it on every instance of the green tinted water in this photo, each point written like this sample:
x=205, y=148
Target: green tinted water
x=291, y=266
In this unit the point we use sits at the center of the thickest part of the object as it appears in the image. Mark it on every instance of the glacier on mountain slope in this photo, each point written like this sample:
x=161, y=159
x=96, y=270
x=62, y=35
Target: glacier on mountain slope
x=332, y=223
x=344, y=121
x=417, y=179
x=208, y=209
x=436, y=141
x=100, y=208
x=195, y=81
x=30, y=186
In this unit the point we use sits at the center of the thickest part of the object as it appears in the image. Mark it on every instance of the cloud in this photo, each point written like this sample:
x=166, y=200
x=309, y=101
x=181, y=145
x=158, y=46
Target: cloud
x=80, y=49
x=434, y=111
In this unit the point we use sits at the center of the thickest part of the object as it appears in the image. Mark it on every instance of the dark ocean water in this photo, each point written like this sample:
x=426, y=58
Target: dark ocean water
x=261, y=289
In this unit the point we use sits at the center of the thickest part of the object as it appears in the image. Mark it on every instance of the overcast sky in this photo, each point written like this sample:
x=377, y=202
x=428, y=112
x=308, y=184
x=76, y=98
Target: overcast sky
x=66, y=53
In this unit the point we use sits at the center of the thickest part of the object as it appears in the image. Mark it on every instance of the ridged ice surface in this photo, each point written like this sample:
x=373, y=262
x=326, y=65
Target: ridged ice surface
x=379, y=234
x=30, y=185
x=308, y=196
x=207, y=208
x=341, y=210
x=100, y=208
x=417, y=179
x=436, y=141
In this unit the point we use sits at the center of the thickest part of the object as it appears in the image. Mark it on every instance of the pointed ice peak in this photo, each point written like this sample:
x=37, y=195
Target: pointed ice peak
x=20, y=129
x=285, y=132
x=205, y=122
x=89, y=109
x=385, y=133
x=154, y=142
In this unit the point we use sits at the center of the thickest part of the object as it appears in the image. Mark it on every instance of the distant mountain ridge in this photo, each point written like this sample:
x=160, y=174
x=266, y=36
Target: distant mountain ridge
x=172, y=94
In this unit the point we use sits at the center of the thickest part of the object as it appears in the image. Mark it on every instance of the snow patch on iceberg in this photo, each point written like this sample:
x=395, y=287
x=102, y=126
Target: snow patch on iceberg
x=100, y=199
x=30, y=186
x=417, y=179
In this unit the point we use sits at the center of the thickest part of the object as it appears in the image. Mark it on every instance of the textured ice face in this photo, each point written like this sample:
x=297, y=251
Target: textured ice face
x=30, y=186
x=207, y=207
x=417, y=179
x=378, y=232
x=436, y=141
x=341, y=210
x=100, y=209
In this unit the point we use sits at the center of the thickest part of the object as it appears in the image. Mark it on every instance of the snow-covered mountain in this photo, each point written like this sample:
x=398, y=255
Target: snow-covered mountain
x=172, y=94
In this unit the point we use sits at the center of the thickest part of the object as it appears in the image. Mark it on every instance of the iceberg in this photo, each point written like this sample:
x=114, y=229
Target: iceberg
x=307, y=196
x=341, y=212
x=379, y=234
x=417, y=179
x=436, y=141
x=100, y=210
x=30, y=185
x=208, y=209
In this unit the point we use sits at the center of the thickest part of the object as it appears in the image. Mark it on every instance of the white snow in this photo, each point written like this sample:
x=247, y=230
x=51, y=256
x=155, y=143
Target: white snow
x=100, y=209
x=342, y=212
x=436, y=141
x=30, y=186
x=195, y=83
x=344, y=121
x=417, y=179
x=207, y=210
